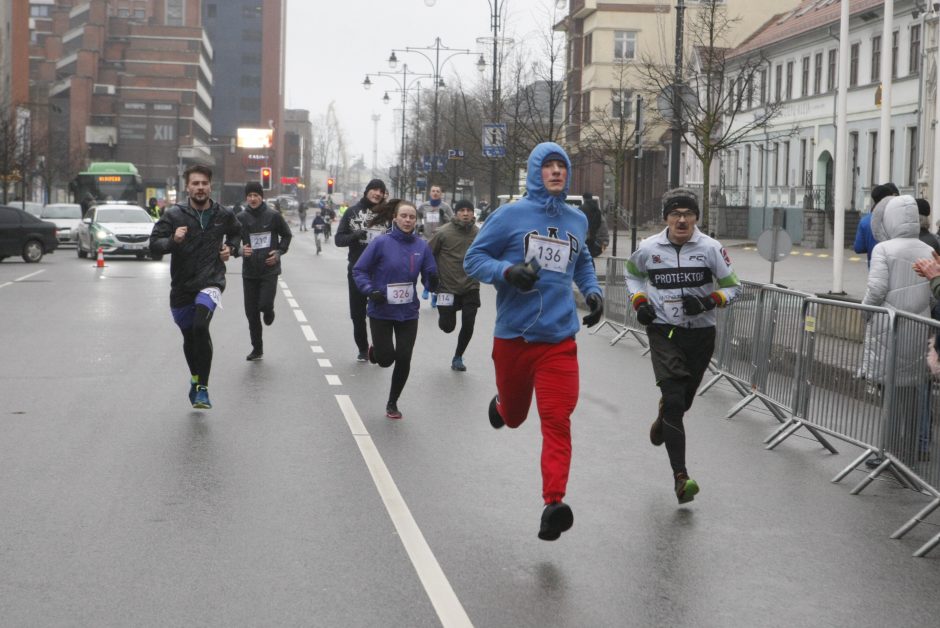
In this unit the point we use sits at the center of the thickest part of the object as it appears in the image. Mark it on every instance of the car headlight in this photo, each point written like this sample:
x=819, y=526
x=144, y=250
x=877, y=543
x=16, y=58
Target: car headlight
x=102, y=233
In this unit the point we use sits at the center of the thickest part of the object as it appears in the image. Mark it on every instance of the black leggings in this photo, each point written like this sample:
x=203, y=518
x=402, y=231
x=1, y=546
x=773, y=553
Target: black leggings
x=197, y=345
x=398, y=353
x=357, y=312
x=259, y=298
x=447, y=321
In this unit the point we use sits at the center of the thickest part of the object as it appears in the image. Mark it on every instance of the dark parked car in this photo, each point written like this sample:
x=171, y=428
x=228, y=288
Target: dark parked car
x=23, y=234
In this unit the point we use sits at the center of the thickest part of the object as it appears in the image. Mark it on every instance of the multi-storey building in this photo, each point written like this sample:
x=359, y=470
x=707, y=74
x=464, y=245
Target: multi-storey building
x=791, y=164
x=607, y=42
x=249, y=43
x=298, y=153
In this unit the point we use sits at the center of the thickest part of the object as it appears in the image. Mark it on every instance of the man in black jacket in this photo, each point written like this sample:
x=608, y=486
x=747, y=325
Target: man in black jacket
x=352, y=233
x=200, y=236
x=265, y=238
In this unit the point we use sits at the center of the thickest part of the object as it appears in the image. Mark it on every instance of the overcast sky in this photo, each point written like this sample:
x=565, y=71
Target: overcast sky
x=333, y=44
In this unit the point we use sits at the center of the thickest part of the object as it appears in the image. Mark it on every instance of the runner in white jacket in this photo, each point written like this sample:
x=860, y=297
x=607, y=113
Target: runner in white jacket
x=676, y=279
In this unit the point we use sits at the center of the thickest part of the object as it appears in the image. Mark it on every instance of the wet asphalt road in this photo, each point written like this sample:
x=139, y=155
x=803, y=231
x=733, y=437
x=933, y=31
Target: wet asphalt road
x=120, y=505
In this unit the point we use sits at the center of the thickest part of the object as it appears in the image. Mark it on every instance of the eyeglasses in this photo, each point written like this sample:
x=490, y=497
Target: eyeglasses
x=674, y=215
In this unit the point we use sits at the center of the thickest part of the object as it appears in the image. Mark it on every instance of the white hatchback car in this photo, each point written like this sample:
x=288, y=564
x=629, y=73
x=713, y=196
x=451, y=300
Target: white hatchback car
x=119, y=229
x=66, y=216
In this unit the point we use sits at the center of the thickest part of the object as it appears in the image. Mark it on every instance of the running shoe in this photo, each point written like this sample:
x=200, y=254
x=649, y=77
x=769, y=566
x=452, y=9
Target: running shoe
x=268, y=317
x=201, y=400
x=192, y=391
x=686, y=488
x=391, y=410
x=656, y=429
x=457, y=364
x=495, y=419
x=433, y=299
x=362, y=357
x=556, y=518
x=425, y=294
x=254, y=355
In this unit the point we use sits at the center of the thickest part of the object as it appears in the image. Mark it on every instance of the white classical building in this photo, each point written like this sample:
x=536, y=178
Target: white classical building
x=791, y=164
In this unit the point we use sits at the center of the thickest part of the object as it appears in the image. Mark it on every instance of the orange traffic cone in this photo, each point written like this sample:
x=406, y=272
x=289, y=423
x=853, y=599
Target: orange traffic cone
x=100, y=262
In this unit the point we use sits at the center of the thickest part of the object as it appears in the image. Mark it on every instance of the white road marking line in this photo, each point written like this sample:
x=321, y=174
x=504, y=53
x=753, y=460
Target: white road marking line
x=30, y=275
x=292, y=303
x=282, y=284
x=299, y=315
x=288, y=294
x=442, y=596
x=308, y=333
x=333, y=380
x=4, y=285
x=325, y=363
x=316, y=349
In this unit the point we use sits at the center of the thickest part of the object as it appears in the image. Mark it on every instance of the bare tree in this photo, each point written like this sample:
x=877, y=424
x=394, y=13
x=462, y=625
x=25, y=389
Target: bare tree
x=716, y=90
x=609, y=135
x=9, y=140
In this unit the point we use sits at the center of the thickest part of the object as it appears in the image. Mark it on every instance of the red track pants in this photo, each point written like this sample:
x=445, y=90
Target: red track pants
x=551, y=370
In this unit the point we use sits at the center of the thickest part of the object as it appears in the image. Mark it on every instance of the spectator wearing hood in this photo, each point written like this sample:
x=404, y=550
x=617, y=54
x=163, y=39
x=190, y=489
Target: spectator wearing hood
x=353, y=233
x=865, y=238
x=532, y=250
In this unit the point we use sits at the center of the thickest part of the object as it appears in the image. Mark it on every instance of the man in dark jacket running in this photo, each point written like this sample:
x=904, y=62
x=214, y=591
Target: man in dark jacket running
x=200, y=235
x=457, y=291
x=265, y=238
x=352, y=233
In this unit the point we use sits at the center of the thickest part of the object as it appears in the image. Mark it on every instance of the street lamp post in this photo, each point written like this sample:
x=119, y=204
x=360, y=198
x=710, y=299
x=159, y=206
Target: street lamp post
x=403, y=86
x=437, y=65
x=496, y=8
x=676, y=101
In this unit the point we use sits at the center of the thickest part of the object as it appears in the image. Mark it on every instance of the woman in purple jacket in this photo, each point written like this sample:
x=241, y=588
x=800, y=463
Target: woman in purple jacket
x=387, y=273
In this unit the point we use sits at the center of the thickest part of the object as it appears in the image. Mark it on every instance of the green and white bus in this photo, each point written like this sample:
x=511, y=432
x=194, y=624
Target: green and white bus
x=109, y=181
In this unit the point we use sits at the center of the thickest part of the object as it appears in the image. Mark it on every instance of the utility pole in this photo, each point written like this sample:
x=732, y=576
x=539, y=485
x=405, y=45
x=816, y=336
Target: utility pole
x=677, y=101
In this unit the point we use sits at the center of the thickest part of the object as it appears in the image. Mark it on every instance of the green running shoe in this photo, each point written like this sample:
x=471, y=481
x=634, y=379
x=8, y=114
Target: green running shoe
x=686, y=488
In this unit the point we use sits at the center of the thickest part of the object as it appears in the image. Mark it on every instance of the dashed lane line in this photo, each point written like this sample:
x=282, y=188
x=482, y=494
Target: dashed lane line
x=299, y=315
x=292, y=303
x=333, y=380
x=308, y=333
x=324, y=363
x=449, y=609
x=316, y=348
x=23, y=278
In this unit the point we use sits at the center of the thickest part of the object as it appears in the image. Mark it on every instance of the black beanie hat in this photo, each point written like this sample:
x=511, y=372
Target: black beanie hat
x=462, y=204
x=375, y=184
x=254, y=187
x=884, y=190
x=923, y=207
x=680, y=197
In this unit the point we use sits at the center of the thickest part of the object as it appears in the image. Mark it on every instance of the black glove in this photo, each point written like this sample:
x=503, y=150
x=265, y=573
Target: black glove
x=596, y=303
x=377, y=297
x=521, y=276
x=360, y=234
x=645, y=314
x=693, y=305
x=434, y=282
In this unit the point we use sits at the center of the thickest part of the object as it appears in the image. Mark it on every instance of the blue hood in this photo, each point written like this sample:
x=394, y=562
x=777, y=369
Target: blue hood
x=535, y=188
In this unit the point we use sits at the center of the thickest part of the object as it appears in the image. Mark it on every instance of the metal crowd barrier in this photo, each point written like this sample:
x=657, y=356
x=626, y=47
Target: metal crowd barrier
x=618, y=313
x=852, y=372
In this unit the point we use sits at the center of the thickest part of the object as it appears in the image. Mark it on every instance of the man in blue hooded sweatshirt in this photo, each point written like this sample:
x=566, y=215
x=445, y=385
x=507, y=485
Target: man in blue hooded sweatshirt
x=532, y=250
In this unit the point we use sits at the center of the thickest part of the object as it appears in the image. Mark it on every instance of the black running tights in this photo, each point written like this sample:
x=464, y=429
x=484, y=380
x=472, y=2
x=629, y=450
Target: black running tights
x=678, y=395
x=387, y=352
x=197, y=345
x=447, y=321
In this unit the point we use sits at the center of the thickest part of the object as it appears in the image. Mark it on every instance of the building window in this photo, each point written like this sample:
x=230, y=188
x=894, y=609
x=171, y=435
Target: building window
x=174, y=12
x=776, y=164
x=876, y=58
x=39, y=10
x=786, y=163
x=586, y=107
x=912, y=156
x=817, y=74
x=760, y=166
x=621, y=104
x=624, y=45
x=894, y=54
x=140, y=14
x=853, y=65
x=831, y=72
x=804, y=175
x=778, y=84
x=763, y=87
x=123, y=12
x=588, y=44
x=873, y=159
x=789, y=80
x=914, y=66
x=891, y=156
x=804, y=85
x=251, y=11
x=730, y=96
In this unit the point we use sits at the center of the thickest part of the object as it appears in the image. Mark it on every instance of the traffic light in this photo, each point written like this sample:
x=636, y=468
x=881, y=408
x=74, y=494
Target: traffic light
x=265, y=178
x=329, y=185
